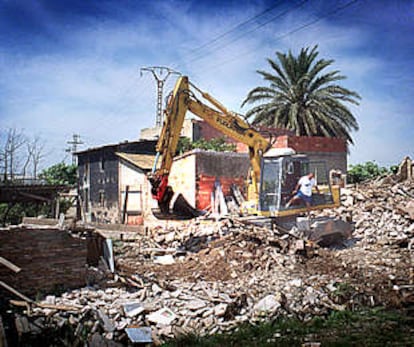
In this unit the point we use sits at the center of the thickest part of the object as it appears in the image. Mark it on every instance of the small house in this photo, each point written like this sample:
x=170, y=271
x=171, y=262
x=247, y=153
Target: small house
x=112, y=184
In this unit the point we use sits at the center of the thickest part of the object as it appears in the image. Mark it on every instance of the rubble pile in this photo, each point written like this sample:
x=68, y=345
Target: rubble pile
x=383, y=211
x=210, y=276
x=210, y=250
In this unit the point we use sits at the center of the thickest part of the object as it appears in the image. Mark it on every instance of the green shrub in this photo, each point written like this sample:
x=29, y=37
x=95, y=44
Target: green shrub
x=362, y=172
x=218, y=144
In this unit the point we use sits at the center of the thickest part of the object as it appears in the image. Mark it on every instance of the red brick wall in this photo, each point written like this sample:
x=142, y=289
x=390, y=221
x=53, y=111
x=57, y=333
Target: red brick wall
x=314, y=144
x=49, y=258
x=207, y=132
x=205, y=186
x=304, y=144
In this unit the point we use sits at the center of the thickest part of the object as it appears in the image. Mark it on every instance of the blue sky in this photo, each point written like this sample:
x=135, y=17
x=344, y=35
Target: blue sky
x=73, y=67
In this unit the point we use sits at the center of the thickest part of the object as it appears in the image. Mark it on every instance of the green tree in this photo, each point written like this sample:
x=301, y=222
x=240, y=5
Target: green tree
x=218, y=144
x=303, y=98
x=184, y=145
x=362, y=172
x=60, y=174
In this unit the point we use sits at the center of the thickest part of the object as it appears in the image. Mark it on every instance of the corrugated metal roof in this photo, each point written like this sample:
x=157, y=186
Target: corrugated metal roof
x=143, y=161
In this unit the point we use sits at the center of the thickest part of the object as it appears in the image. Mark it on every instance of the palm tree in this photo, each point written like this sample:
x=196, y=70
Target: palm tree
x=302, y=98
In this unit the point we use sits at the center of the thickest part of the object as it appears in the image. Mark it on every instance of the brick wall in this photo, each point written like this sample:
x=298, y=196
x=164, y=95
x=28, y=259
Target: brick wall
x=304, y=144
x=332, y=151
x=204, y=130
x=206, y=185
x=207, y=132
x=313, y=144
x=49, y=258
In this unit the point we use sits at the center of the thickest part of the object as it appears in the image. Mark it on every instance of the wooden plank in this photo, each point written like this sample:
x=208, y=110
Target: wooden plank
x=19, y=303
x=9, y=265
x=59, y=307
x=44, y=305
x=124, y=210
x=35, y=197
x=15, y=292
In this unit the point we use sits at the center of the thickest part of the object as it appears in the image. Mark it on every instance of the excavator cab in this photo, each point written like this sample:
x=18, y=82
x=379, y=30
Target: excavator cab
x=279, y=176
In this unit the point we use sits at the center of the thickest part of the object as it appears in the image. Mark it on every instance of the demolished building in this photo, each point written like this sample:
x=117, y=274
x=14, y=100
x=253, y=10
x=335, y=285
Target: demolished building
x=113, y=187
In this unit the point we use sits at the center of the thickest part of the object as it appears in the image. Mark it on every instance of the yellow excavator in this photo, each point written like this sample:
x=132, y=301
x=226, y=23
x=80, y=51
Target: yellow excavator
x=273, y=177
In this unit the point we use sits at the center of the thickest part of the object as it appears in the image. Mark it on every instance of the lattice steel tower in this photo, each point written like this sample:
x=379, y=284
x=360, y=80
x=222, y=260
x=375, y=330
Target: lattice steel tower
x=160, y=73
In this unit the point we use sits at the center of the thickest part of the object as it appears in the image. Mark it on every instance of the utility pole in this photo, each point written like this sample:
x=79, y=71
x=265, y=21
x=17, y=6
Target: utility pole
x=160, y=73
x=74, y=147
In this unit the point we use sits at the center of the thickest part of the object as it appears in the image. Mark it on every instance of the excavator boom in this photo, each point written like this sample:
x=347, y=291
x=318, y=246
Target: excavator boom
x=228, y=123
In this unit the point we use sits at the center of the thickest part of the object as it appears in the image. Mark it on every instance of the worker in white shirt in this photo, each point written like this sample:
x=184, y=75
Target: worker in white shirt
x=303, y=190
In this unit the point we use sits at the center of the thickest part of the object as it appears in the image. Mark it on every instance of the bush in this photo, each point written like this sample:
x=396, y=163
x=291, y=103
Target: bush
x=216, y=144
x=362, y=172
x=60, y=174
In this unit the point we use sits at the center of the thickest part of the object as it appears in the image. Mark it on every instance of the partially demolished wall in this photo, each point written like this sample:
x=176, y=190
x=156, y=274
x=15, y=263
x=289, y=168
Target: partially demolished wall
x=50, y=259
x=196, y=174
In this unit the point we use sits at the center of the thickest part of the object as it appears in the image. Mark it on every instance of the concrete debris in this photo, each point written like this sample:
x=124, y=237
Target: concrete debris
x=167, y=259
x=133, y=309
x=139, y=335
x=269, y=304
x=163, y=316
x=228, y=271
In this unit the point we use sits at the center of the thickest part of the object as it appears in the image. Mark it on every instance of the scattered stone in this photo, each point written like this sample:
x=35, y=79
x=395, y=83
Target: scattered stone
x=133, y=309
x=139, y=335
x=268, y=305
x=167, y=259
x=107, y=324
x=220, y=310
x=163, y=316
x=196, y=304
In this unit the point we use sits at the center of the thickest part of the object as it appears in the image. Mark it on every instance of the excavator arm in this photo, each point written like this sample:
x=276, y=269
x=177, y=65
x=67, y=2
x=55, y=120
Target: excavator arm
x=167, y=145
x=182, y=100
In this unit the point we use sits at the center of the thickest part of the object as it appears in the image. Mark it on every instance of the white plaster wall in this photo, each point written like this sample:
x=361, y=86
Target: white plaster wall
x=135, y=179
x=183, y=177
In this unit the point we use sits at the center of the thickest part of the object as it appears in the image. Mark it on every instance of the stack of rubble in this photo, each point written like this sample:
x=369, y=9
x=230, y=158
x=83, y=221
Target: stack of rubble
x=210, y=276
x=383, y=211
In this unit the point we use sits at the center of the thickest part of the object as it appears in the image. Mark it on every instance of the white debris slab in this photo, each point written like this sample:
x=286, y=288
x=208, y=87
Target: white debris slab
x=269, y=304
x=133, y=309
x=163, y=316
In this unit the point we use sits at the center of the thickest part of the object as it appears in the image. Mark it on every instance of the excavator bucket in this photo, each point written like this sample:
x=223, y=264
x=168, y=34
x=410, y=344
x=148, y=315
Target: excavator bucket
x=181, y=210
x=182, y=207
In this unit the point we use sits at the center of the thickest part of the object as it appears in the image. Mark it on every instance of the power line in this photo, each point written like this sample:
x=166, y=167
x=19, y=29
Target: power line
x=211, y=42
x=240, y=25
x=241, y=35
x=306, y=25
x=157, y=71
x=127, y=91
